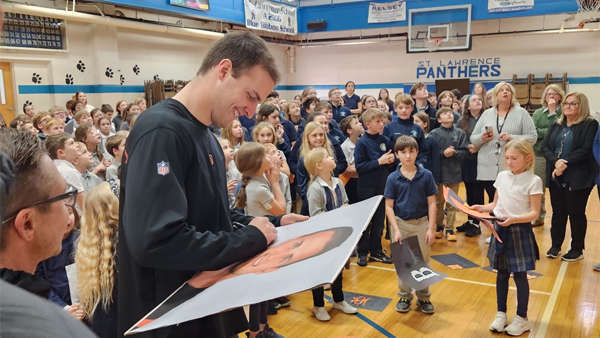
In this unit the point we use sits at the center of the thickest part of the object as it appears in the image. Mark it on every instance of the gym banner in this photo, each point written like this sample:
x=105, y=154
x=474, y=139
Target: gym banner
x=272, y=17
x=195, y=4
x=387, y=12
x=499, y=6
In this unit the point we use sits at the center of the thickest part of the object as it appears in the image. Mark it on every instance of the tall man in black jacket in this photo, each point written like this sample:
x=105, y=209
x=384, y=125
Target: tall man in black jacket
x=174, y=215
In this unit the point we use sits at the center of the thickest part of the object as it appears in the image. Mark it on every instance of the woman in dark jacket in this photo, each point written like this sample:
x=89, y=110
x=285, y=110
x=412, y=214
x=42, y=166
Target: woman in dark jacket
x=571, y=171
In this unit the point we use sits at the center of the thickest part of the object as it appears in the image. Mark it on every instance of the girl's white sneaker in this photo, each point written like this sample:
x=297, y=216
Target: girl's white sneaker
x=499, y=322
x=518, y=326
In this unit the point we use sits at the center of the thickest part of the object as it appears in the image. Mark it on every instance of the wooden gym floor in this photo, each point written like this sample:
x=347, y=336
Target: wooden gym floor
x=563, y=302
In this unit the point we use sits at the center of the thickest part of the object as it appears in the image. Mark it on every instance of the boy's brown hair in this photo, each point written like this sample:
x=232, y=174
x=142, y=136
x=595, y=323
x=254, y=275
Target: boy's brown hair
x=372, y=113
x=415, y=87
x=404, y=99
x=113, y=142
x=441, y=111
x=80, y=114
x=346, y=123
x=404, y=142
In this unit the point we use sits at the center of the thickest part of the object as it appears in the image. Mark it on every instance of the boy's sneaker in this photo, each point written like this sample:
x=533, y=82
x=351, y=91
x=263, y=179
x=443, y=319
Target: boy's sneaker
x=463, y=227
x=439, y=231
x=425, y=306
x=597, y=267
x=403, y=305
x=321, y=313
x=345, y=307
x=362, y=260
x=450, y=235
x=268, y=332
x=473, y=231
x=271, y=307
x=282, y=302
x=499, y=323
x=572, y=256
x=381, y=257
x=518, y=326
x=553, y=252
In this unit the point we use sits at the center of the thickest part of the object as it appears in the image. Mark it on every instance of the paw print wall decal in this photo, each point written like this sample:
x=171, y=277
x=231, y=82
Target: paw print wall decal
x=121, y=79
x=36, y=78
x=156, y=77
x=81, y=66
x=109, y=72
x=28, y=103
x=69, y=79
x=136, y=69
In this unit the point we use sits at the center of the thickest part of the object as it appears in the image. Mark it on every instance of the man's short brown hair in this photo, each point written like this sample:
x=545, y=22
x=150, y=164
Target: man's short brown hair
x=245, y=50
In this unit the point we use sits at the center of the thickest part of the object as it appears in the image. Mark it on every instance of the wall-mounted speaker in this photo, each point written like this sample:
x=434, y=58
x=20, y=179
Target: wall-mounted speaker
x=317, y=25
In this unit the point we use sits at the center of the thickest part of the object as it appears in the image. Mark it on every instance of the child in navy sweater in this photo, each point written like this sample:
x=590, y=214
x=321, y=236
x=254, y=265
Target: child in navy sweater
x=404, y=125
x=373, y=160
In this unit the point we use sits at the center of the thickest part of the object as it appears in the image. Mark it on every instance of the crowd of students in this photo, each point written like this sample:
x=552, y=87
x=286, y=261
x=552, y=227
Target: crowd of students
x=311, y=155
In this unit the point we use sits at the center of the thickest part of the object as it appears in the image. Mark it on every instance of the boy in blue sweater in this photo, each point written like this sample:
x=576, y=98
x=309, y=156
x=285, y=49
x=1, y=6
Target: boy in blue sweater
x=404, y=125
x=374, y=160
x=410, y=208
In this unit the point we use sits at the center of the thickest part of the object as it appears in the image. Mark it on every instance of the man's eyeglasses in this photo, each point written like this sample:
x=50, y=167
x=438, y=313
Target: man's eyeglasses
x=69, y=197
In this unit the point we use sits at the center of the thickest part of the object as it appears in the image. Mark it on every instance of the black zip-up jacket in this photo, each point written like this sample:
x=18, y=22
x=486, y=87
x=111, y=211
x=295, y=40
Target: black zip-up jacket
x=581, y=167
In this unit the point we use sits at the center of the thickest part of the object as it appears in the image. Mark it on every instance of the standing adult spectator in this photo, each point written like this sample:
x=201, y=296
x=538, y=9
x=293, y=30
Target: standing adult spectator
x=504, y=121
x=185, y=225
x=544, y=118
x=571, y=172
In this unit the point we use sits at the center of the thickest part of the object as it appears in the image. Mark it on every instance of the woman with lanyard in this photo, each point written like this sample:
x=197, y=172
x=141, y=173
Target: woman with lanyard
x=571, y=171
x=544, y=118
x=498, y=125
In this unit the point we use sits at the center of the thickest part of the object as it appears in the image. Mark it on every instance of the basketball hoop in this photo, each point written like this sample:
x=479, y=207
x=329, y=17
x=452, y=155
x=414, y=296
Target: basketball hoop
x=589, y=11
x=433, y=43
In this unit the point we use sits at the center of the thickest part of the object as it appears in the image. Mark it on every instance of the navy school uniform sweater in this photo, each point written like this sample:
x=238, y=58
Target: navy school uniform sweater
x=339, y=112
x=400, y=127
x=430, y=157
x=351, y=102
x=450, y=167
x=371, y=175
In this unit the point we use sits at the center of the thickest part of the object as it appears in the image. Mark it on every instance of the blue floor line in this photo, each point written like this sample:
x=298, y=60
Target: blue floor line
x=370, y=322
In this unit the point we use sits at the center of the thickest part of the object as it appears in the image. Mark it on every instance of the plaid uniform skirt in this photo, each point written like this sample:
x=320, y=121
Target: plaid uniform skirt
x=519, y=250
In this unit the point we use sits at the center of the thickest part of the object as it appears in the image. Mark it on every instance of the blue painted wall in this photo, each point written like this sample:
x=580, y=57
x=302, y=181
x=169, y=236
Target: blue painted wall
x=345, y=16
x=354, y=15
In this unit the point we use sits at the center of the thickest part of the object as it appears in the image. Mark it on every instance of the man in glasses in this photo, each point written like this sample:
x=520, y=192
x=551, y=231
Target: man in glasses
x=36, y=214
x=21, y=312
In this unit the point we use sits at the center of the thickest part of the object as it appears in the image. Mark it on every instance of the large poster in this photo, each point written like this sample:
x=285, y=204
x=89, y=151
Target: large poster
x=305, y=255
x=387, y=11
x=495, y=6
x=272, y=17
x=195, y=4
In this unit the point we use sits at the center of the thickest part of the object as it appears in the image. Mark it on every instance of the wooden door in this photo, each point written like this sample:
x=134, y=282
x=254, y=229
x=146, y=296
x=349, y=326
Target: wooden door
x=7, y=98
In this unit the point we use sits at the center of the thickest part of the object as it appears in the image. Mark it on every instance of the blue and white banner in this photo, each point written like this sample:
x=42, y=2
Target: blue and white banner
x=272, y=17
x=498, y=6
x=488, y=67
x=387, y=12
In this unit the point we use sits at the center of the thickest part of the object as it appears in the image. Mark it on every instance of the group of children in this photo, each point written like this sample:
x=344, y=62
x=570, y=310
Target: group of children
x=402, y=160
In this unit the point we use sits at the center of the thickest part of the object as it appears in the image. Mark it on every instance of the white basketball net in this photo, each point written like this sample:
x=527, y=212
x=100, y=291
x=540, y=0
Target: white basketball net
x=588, y=10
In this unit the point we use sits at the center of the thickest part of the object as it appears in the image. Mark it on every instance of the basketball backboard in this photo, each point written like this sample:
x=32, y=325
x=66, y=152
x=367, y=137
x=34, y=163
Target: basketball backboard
x=438, y=29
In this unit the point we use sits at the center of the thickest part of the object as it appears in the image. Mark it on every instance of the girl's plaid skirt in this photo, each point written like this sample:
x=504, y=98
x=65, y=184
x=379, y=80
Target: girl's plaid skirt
x=519, y=248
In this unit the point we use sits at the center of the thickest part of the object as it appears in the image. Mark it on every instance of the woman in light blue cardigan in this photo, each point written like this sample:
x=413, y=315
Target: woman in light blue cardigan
x=504, y=121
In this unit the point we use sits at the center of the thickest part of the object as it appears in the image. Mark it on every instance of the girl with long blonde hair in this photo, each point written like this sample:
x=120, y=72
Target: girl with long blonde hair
x=95, y=260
